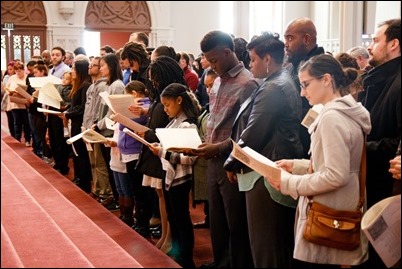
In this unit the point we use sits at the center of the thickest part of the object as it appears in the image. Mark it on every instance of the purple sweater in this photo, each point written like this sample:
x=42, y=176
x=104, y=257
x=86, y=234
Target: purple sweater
x=126, y=143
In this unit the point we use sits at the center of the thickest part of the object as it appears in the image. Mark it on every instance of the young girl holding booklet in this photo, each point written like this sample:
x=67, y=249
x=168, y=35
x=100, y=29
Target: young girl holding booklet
x=183, y=108
x=128, y=180
x=162, y=72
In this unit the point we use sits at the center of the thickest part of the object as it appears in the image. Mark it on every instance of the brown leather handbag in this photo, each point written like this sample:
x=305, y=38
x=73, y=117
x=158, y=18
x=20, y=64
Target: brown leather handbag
x=336, y=228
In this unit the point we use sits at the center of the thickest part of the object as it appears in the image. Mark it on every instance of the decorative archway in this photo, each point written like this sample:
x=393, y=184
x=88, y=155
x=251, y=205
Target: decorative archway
x=120, y=16
x=28, y=36
x=116, y=20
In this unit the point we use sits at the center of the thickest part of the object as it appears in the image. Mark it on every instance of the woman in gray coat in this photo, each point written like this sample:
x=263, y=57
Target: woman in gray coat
x=337, y=138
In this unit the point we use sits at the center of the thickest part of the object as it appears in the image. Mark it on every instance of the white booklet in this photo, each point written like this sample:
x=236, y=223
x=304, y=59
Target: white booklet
x=179, y=139
x=89, y=136
x=39, y=82
x=382, y=226
x=130, y=124
x=49, y=95
x=256, y=161
x=44, y=110
x=119, y=103
x=137, y=137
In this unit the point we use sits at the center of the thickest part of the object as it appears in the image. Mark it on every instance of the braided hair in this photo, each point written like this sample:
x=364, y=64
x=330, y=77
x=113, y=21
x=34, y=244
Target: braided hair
x=163, y=72
x=135, y=52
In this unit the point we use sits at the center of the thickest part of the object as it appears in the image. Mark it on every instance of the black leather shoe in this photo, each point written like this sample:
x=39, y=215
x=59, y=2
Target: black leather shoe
x=143, y=231
x=64, y=171
x=156, y=234
x=201, y=225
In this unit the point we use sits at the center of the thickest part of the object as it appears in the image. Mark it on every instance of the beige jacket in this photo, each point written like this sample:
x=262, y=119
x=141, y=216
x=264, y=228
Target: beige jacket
x=336, y=150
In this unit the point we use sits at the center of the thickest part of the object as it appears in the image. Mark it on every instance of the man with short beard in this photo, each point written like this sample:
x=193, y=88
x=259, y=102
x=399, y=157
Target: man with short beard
x=60, y=149
x=59, y=67
x=381, y=96
x=101, y=189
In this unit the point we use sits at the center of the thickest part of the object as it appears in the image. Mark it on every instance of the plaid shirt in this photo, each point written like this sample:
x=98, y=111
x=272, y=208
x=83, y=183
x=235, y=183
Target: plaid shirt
x=227, y=95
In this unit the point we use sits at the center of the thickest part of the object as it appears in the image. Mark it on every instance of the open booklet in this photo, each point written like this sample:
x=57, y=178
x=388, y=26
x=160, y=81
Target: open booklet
x=179, y=139
x=256, y=161
x=119, y=103
x=137, y=137
x=20, y=89
x=382, y=226
x=23, y=92
x=49, y=95
x=89, y=136
x=44, y=110
x=130, y=124
x=39, y=82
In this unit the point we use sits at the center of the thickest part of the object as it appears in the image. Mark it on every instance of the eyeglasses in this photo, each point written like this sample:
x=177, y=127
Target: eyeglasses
x=305, y=84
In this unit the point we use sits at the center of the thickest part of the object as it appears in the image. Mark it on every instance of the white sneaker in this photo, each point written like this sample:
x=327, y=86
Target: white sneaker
x=66, y=132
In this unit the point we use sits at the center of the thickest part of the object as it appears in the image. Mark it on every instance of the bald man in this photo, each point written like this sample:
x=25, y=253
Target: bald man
x=300, y=45
x=47, y=58
x=141, y=37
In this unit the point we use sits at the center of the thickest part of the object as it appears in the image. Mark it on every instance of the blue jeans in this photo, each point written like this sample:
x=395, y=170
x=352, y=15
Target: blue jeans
x=21, y=122
x=123, y=184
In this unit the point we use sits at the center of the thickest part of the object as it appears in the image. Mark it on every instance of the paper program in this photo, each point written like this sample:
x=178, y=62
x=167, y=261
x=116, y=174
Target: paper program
x=256, y=161
x=382, y=226
x=179, y=139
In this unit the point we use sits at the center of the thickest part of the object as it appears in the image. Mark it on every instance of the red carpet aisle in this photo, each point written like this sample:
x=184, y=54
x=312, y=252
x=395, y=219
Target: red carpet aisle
x=47, y=221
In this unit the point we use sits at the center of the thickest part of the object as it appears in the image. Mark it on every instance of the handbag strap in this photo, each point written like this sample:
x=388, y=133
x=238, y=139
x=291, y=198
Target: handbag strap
x=362, y=176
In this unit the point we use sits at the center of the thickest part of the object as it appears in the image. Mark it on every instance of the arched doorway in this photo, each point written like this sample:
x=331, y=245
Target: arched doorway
x=116, y=20
x=28, y=36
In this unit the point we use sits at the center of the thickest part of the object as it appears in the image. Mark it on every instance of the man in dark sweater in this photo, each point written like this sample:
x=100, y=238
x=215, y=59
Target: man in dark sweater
x=300, y=45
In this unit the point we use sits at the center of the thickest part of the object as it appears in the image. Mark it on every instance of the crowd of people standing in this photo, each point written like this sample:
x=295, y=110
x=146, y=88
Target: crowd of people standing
x=258, y=95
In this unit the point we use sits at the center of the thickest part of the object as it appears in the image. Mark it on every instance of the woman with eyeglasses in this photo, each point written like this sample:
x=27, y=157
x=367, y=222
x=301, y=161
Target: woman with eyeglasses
x=110, y=69
x=331, y=175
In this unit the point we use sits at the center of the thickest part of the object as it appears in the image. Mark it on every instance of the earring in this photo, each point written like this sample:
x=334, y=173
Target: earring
x=267, y=69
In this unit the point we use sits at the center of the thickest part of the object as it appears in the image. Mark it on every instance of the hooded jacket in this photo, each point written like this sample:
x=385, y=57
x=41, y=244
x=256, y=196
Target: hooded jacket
x=337, y=139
